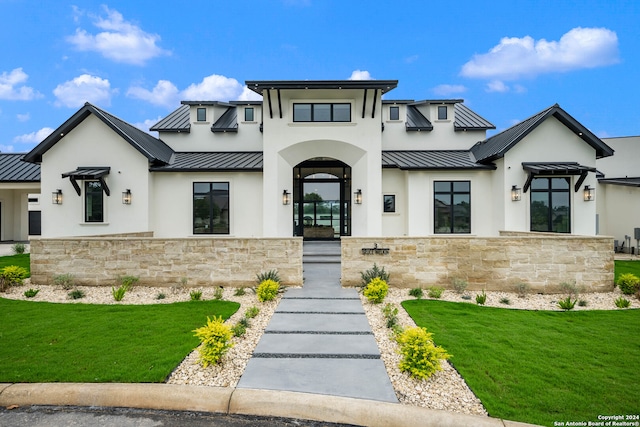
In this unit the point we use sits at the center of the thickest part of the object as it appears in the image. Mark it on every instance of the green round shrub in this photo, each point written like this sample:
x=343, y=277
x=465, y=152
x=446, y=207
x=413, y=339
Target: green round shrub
x=420, y=356
x=267, y=290
x=376, y=290
x=628, y=283
x=215, y=337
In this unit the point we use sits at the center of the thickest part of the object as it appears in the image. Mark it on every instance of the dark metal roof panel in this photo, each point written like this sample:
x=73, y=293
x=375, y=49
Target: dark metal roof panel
x=228, y=122
x=260, y=85
x=177, y=121
x=557, y=168
x=214, y=162
x=431, y=160
x=465, y=119
x=13, y=169
x=88, y=172
x=416, y=120
x=629, y=182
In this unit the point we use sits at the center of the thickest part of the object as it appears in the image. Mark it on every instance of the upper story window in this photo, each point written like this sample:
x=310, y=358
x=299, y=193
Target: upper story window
x=322, y=112
x=442, y=112
x=248, y=114
x=93, y=202
x=201, y=114
x=394, y=113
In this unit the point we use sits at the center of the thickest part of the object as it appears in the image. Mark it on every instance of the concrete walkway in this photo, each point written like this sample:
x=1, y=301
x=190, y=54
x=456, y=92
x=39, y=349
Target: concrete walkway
x=319, y=339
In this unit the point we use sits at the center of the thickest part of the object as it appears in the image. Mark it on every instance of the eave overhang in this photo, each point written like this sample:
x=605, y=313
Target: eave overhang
x=91, y=173
x=556, y=168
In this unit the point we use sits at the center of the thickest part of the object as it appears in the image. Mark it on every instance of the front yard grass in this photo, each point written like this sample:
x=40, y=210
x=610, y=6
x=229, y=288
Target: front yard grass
x=46, y=342
x=540, y=366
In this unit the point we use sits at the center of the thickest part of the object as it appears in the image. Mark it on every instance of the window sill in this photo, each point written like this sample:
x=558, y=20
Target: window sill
x=93, y=224
x=201, y=123
x=320, y=124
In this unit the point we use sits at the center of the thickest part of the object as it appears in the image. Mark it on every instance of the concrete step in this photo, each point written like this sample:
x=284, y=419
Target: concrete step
x=320, y=323
x=317, y=345
x=320, y=306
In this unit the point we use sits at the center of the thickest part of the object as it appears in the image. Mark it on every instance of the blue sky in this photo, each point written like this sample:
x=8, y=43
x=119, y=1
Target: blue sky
x=138, y=60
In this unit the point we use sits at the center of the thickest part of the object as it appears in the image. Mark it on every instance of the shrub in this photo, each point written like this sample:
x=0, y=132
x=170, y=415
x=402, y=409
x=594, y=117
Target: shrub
x=416, y=292
x=390, y=313
x=118, y=293
x=505, y=301
x=435, y=292
x=267, y=290
x=239, y=292
x=481, y=298
x=195, y=295
x=215, y=337
x=582, y=303
x=622, y=302
x=567, y=303
x=217, y=295
x=372, y=273
x=76, y=294
x=238, y=330
x=459, y=285
x=628, y=283
x=64, y=280
x=161, y=296
x=569, y=288
x=376, y=290
x=269, y=275
x=420, y=356
x=251, y=312
x=30, y=293
x=522, y=289
x=12, y=275
x=19, y=248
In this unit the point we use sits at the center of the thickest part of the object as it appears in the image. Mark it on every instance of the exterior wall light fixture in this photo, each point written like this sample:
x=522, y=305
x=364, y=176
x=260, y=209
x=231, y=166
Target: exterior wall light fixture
x=589, y=193
x=357, y=197
x=286, y=197
x=56, y=197
x=516, y=194
x=126, y=197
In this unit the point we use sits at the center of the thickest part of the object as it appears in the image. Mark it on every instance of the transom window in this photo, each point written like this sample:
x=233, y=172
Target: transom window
x=210, y=208
x=452, y=207
x=551, y=205
x=248, y=114
x=394, y=113
x=201, y=114
x=93, y=202
x=442, y=112
x=322, y=112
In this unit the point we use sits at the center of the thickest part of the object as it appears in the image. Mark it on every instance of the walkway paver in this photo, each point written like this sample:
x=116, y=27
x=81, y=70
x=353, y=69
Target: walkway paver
x=319, y=339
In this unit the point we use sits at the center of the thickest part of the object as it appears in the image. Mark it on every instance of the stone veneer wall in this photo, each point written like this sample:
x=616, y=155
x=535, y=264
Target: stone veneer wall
x=543, y=260
x=163, y=262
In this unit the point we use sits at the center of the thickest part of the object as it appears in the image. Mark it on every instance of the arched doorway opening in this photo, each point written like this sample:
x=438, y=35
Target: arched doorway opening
x=322, y=199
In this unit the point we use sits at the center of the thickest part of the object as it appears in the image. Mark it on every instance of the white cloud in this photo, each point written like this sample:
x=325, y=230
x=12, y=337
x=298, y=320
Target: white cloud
x=164, y=93
x=85, y=88
x=23, y=117
x=517, y=57
x=360, y=75
x=121, y=41
x=145, y=125
x=6, y=148
x=36, y=137
x=446, y=90
x=497, y=86
x=11, y=87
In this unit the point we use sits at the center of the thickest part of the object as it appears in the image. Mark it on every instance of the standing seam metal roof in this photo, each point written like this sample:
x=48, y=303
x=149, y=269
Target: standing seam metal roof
x=213, y=161
x=416, y=120
x=176, y=121
x=13, y=169
x=228, y=121
x=431, y=159
x=466, y=119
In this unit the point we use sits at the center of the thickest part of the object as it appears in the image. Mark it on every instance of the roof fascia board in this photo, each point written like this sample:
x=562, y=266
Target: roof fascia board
x=259, y=86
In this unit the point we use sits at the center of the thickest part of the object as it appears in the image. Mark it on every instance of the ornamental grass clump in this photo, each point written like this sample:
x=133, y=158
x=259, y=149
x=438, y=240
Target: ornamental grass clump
x=215, y=338
x=376, y=290
x=267, y=290
x=628, y=283
x=421, y=358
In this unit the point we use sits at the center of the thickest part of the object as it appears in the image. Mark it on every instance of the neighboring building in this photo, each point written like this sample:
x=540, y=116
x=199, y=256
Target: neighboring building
x=319, y=159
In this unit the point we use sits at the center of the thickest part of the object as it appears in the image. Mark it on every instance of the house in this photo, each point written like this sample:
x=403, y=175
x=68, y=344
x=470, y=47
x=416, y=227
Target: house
x=319, y=159
x=19, y=198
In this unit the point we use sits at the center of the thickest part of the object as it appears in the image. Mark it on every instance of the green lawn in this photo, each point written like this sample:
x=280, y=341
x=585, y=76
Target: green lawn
x=22, y=260
x=540, y=366
x=623, y=267
x=46, y=342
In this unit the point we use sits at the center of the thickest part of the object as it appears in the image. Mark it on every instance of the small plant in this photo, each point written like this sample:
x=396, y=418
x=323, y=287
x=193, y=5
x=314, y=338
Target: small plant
x=269, y=275
x=11, y=275
x=372, y=273
x=19, y=248
x=195, y=295
x=505, y=301
x=420, y=356
x=582, y=303
x=76, y=294
x=459, y=285
x=390, y=313
x=466, y=297
x=239, y=292
x=567, y=303
x=416, y=292
x=118, y=293
x=215, y=337
x=376, y=290
x=628, y=283
x=217, y=295
x=570, y=288
x=238, y=330
x=161, y=296
x=251, y=312
x=622, y=302
x=481, y=298
x=522, y=289
x=30, y=293
x=64, y=280
x=435, y=292
x=128, y=281
x=267, y=290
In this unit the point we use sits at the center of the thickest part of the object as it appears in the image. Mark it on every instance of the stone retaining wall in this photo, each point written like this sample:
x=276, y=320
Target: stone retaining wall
x=492, y=263
x=164, y=262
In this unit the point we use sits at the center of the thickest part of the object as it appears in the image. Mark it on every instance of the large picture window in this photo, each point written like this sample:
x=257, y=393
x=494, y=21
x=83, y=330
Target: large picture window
x=322, y=112
x=93, y=202
x=452, y=207
x=550, y=205
x=210, y=208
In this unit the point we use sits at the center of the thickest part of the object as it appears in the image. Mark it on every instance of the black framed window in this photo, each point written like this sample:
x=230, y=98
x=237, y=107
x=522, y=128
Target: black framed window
x=93, y=202
x=442, y=112
x=389, y=201
x=452, y=207
x=201, y=114
x=551, y=204
x=248, y=114
x=394, y=113
x=210, y=208
x=321, y=112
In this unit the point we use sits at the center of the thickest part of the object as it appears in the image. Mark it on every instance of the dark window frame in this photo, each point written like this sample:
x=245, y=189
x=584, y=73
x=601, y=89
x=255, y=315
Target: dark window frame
x=394, y=112
x=207, y=211
x=552, y=188
x=202, y=118
x=443, y=112
x=450, y=209
x=89, y=202
x=389, y=203
x=313, y=112
x=249, y=114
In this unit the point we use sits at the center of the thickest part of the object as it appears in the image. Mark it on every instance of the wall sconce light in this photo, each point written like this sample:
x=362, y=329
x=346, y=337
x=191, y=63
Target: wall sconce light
x=357, y=197
x=126, y=197
x=516, y=194
x=56, y=197
x=589, y=193
x=286, y=197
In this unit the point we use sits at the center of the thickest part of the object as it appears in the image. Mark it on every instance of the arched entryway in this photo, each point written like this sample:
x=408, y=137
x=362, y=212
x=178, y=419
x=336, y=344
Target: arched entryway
x=322, y=199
